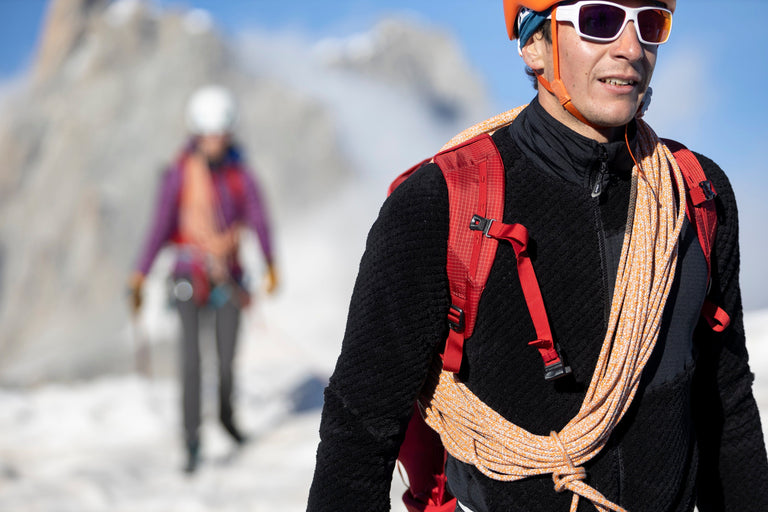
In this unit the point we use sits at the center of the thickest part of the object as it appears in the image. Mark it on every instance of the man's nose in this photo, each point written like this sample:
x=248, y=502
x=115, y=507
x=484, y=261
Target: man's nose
x=628, y=44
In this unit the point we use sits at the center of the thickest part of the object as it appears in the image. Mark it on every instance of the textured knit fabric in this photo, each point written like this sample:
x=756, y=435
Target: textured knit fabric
x=250, y=211
x=696, y=386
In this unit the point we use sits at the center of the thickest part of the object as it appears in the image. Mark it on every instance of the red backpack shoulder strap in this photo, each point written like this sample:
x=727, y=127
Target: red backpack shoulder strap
x=700, y=194
x=474, y=174
x=701, y=212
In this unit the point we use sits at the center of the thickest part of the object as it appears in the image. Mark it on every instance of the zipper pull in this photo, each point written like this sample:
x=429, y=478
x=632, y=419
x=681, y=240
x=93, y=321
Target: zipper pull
x=597, y=189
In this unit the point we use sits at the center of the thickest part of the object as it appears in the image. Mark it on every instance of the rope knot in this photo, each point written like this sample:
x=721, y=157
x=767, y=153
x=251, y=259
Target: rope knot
x=565, y=476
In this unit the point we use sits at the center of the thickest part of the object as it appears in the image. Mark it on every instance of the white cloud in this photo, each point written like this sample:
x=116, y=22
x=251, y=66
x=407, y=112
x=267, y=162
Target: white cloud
x=749, y=185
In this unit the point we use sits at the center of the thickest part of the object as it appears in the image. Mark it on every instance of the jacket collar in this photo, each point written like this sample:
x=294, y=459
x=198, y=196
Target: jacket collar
x=560, y=151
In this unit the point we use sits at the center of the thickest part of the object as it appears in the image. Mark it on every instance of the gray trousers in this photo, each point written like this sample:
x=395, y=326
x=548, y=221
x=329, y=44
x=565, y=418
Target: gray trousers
x=227, y=319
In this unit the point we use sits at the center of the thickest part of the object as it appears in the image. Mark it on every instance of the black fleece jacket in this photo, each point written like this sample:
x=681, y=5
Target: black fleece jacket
x=692, y=435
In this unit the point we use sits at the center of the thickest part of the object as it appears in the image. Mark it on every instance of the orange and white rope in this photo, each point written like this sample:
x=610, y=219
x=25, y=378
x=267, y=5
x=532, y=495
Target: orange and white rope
x=487, y=126
x=474, y=433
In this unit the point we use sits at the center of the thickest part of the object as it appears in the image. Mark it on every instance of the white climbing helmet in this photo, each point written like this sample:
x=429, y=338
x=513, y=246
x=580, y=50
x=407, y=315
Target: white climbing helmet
x=211, y=111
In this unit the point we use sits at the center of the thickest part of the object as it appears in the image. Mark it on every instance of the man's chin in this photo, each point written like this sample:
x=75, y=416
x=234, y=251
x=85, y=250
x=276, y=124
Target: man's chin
x=614, y=119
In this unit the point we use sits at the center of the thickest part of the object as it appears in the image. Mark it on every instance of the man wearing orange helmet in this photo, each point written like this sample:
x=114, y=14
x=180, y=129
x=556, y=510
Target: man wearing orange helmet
x=648, y=409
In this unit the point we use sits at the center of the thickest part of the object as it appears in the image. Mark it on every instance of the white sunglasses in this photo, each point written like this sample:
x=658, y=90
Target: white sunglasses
x=601, y=21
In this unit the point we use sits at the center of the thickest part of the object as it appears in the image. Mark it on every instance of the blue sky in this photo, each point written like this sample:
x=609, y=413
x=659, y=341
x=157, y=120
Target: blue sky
x=730, y=51
x=709, y=85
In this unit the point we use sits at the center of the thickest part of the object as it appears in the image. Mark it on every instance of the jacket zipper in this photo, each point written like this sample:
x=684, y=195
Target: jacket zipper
x=597, y=189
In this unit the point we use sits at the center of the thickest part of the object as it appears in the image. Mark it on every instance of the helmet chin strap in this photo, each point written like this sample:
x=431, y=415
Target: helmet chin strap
x=557, y=87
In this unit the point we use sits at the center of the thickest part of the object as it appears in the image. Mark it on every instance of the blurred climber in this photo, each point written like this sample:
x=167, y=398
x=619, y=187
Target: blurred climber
x=205, y=198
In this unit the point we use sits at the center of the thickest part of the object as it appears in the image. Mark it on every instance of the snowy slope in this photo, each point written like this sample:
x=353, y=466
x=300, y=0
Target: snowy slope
x=111, y=444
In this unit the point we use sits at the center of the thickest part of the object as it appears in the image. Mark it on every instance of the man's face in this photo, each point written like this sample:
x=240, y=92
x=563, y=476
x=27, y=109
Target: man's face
x=606, y=81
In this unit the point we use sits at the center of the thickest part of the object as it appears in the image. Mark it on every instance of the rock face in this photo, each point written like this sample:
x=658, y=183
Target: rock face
x=84, y=144
x=65, y=27
x=427, y=63
x=99, y=116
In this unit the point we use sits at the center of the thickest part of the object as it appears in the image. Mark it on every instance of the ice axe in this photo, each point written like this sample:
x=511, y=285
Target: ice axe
x=142, y=349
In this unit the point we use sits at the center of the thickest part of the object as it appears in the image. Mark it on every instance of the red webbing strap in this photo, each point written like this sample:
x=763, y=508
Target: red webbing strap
x=454, y=344
x=715, y=316
x=702, y=215
x=235, y=184
x=474, y=175
x=517, y=235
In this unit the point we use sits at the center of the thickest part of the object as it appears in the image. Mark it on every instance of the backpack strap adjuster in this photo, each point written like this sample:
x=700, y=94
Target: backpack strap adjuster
x=479, y=223
x=456, y=319
x=557, y=368
x=703, y=193
x=709, y=191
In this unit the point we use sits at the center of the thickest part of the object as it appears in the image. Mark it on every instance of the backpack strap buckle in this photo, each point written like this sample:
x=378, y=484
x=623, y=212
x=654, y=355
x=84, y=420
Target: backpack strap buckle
x=706, y=187
x=555, y=370
x=479, y=223
x=456, y=318
x=554, y=362
x=703, y=193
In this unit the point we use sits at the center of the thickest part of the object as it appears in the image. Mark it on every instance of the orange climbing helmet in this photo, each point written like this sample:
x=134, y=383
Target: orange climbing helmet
x=512, y=8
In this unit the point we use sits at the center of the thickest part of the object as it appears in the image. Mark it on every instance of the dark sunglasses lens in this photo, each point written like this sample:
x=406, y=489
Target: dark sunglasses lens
x=600, y=20
x=654, y=25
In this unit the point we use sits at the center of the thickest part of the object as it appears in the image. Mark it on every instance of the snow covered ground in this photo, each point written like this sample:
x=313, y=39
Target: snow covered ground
x=113, y=444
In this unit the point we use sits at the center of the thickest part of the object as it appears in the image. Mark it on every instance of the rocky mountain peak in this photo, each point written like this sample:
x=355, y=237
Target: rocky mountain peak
x=402, y=53
x=66, y=23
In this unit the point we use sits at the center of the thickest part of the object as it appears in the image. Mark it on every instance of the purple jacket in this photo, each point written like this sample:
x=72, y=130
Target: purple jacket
x=246, y=207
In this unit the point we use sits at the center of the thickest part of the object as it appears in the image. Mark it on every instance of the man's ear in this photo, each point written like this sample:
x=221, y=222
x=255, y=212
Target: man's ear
x=537, y=52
